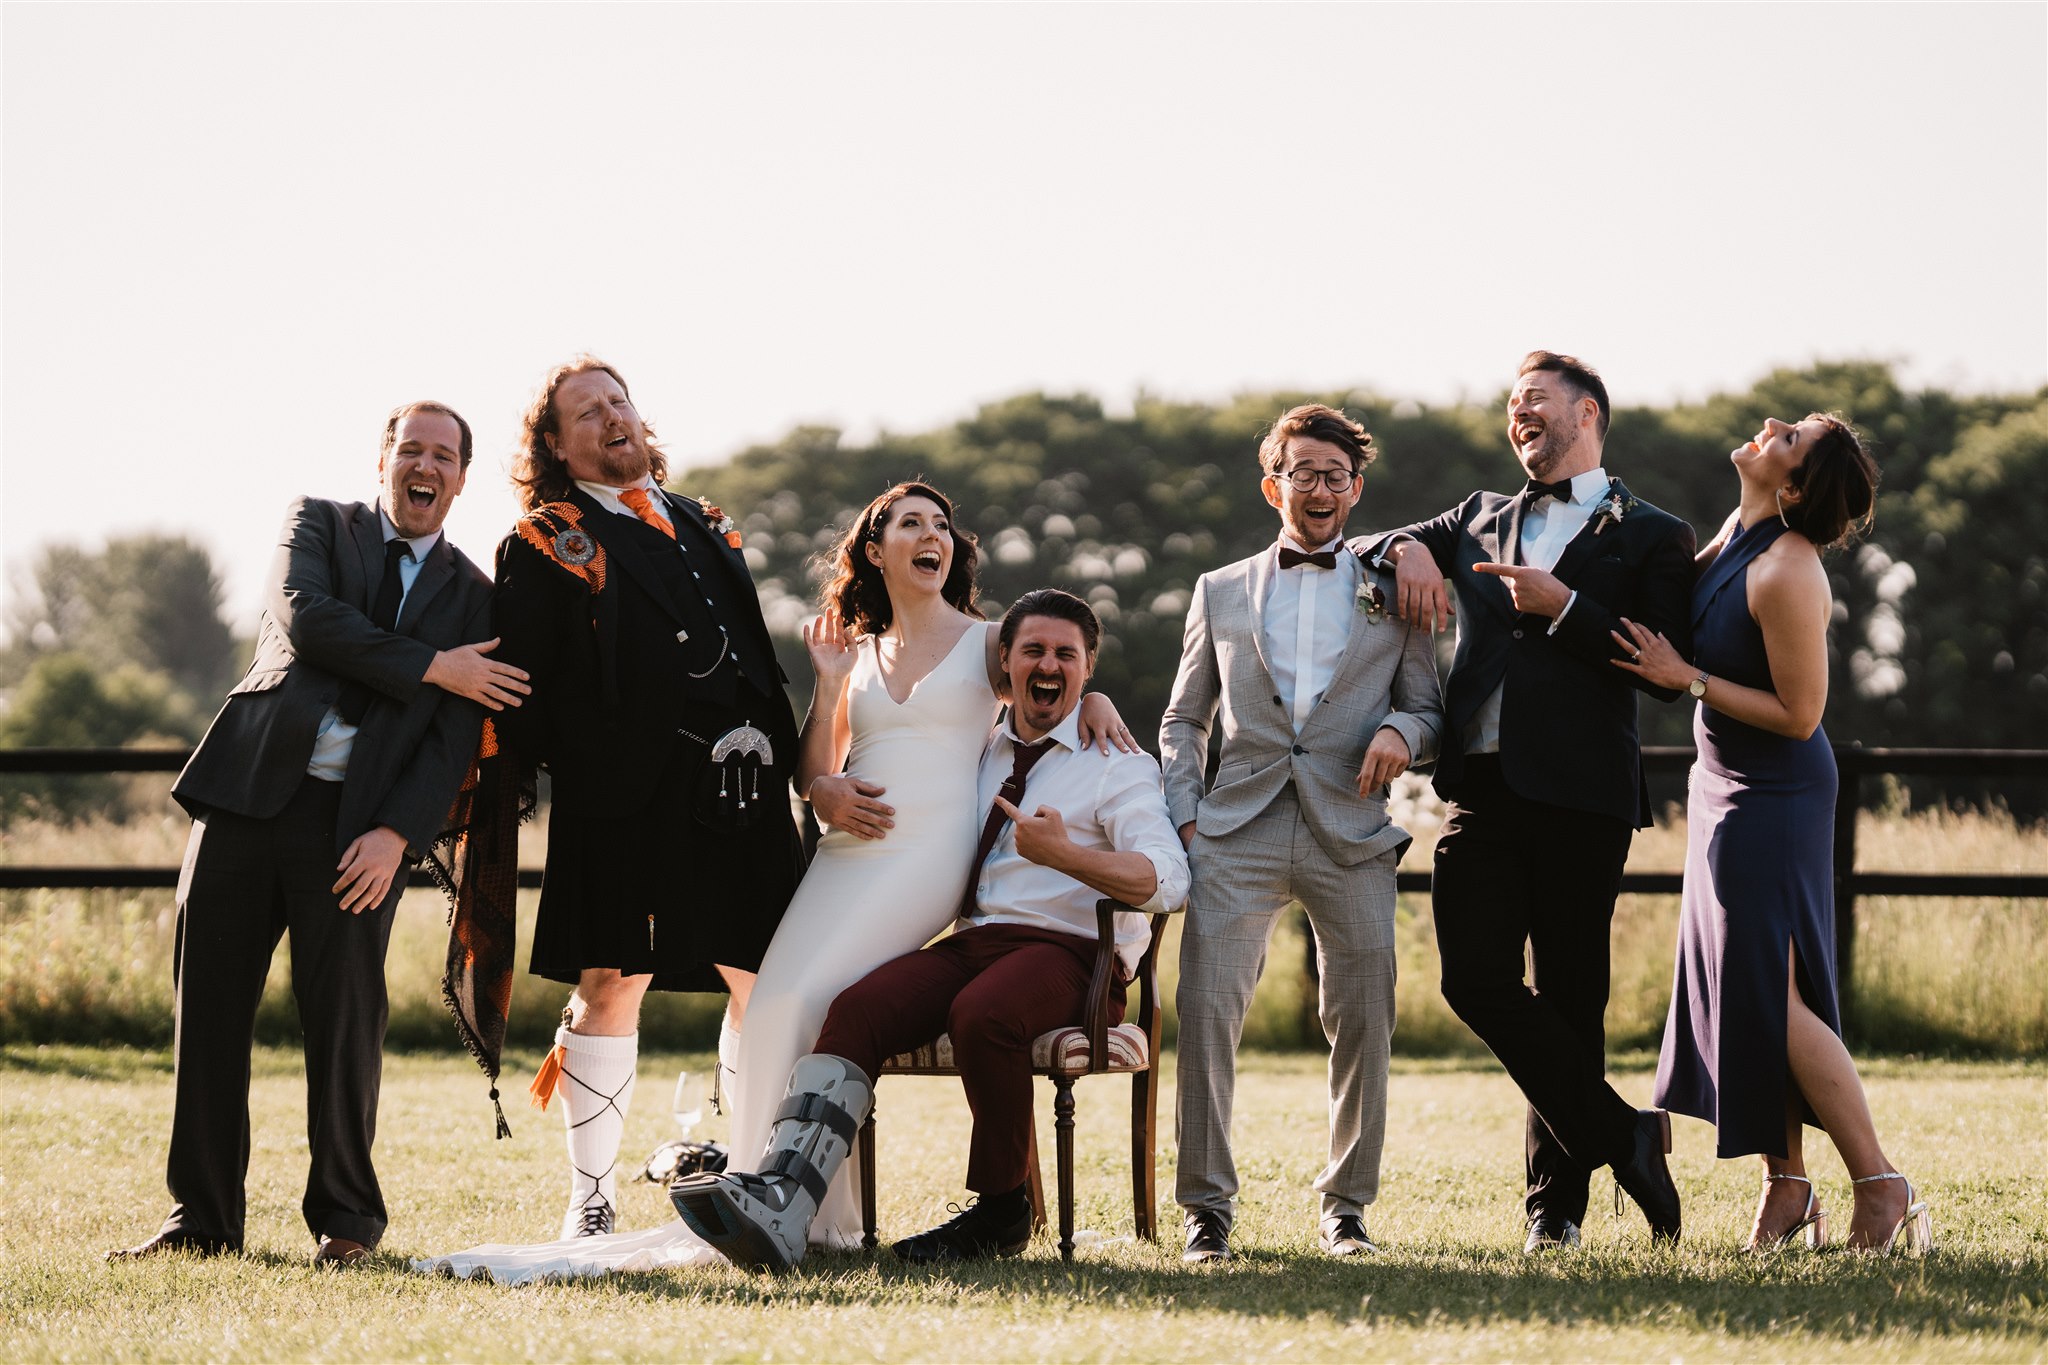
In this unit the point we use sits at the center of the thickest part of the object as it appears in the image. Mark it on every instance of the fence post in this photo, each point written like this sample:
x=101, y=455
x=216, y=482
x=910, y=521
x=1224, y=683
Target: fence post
x=1848, y=800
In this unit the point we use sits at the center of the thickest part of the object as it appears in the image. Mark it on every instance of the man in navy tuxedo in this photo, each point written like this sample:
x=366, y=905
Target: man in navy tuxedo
x=1542, y=771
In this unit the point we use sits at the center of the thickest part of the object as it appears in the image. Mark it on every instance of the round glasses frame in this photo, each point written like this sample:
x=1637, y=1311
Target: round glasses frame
x=1336, y=480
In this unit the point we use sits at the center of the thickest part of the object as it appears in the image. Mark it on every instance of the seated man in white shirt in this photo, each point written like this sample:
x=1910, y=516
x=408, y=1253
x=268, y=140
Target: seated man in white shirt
x=1066, y=826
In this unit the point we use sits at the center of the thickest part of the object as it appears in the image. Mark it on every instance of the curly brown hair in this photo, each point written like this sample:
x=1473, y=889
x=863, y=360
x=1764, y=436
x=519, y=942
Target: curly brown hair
x=542, y=476
x=1316, y=422
x=853, y=583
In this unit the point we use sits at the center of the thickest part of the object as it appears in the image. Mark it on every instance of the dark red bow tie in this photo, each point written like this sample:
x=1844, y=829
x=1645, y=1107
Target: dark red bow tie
x=1321, y=559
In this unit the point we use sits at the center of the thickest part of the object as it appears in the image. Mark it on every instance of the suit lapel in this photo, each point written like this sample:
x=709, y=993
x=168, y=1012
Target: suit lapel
x=603, y=526
x=1498, y=530
x=1258, y=585
x=367, y=530
x=1580, y=547
x=437, y=573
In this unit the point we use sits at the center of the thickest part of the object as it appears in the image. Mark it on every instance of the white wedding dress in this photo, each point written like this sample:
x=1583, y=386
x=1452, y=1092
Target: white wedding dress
x=862, y=903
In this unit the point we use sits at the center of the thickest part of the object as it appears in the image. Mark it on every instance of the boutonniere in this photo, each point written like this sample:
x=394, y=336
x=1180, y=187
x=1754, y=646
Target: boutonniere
x=1372, y=602
x=1616, y=505
x=720, y=522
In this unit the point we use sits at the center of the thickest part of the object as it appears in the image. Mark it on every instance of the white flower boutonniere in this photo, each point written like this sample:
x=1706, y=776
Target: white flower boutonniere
x=1616, y=505
x=1372, y=602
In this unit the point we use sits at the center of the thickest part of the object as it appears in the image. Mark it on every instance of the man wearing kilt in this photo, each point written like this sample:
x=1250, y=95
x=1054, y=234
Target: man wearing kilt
x=659, y=713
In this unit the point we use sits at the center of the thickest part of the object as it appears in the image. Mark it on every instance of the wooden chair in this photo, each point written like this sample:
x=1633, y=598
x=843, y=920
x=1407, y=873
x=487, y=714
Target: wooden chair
x=1064, y=1055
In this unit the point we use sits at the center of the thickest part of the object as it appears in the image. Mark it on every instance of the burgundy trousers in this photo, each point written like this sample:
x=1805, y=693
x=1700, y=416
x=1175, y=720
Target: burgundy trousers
x=994, y=988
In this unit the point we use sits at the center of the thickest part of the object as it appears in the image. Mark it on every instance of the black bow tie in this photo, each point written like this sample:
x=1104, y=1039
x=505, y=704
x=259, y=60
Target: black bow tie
x=1535, y=492
x=1321, y=559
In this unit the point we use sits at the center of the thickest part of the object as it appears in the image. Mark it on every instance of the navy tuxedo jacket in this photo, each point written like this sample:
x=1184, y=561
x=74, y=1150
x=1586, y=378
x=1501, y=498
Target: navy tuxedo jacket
x=1568, y=716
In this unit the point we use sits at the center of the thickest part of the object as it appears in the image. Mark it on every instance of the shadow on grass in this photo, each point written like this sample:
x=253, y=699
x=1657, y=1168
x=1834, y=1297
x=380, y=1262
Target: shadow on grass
x=1837, y=1295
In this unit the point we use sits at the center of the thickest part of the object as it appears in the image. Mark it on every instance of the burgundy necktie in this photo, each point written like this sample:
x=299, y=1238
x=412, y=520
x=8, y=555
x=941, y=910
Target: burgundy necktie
x=1321, y=559
x=1012, y=791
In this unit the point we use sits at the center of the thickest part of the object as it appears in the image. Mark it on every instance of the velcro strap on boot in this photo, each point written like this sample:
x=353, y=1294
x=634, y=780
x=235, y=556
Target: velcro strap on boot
x=798, y=1167
x=812, y=1108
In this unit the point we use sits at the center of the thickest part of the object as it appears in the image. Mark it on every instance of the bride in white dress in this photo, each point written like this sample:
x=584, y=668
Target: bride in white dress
x=908, y=678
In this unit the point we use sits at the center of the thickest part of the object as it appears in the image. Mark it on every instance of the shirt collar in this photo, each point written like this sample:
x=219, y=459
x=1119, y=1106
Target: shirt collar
x=1587, y=487
x=422, y=546
x=597, y=490
x=1067, y=732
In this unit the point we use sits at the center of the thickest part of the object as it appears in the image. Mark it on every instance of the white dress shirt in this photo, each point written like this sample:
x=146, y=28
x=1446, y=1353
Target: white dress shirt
x=1308, y=623
x=1112, y=801
x=1548, y=527
x=336, y=738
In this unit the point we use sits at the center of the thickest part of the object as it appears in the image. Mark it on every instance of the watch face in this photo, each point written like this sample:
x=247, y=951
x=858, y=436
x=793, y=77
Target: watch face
x=1698, y=687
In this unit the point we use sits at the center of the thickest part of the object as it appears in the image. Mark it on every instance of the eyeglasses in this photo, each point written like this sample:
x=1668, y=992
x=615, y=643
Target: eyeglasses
x=1336, y=480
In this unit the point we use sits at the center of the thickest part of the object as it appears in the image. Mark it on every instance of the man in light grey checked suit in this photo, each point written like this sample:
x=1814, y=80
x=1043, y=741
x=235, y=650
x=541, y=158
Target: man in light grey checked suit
x=1325, y=698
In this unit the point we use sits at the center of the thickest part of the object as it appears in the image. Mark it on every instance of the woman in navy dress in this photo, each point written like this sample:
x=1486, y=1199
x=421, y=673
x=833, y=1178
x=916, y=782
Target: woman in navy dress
x=1753, y=1043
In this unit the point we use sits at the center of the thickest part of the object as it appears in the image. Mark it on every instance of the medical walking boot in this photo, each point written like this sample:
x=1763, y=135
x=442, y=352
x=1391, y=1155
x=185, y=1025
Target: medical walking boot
x=763, y=1219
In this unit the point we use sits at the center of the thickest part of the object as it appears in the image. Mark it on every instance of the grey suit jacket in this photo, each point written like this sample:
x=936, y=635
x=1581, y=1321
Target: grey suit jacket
x=415, y=741
x=1387, y=676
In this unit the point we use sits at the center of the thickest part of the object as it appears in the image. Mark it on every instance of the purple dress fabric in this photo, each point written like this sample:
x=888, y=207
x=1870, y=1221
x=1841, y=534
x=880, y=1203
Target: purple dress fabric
x=1759, y=876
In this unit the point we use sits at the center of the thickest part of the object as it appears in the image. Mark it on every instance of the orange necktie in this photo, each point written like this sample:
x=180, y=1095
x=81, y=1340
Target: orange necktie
x=643, y=507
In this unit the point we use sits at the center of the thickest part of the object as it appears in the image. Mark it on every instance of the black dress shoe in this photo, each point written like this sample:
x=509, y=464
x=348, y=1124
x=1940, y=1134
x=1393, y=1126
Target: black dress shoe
x=1645, y=1178
x=1550, y=1232
x=339, y=1253
x=974, y=1233
x=1343, y=1234
x=1208, y=1237
x=169, y=1242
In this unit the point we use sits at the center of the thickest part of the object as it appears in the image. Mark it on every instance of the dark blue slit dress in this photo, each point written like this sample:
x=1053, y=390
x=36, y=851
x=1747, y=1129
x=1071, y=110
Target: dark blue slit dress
x=1759, y=876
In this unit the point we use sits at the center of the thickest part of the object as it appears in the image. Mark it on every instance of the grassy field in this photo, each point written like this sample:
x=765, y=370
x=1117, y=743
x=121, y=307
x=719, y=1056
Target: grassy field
x=1945, y=976
x=83, y=1132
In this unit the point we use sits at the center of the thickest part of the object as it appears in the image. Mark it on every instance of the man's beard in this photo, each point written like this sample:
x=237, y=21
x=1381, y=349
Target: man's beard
x=626, y=465
x=1540, y=466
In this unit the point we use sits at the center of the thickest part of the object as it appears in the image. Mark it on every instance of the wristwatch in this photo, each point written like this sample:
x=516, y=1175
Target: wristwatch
x=1698, y=686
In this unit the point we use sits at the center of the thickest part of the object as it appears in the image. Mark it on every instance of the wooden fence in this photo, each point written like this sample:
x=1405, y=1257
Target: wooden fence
x=1855, y=764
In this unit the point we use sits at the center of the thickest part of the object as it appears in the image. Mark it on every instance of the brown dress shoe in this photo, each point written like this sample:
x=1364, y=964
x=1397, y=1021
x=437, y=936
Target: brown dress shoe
x=169, y=1242
x=336, y=1253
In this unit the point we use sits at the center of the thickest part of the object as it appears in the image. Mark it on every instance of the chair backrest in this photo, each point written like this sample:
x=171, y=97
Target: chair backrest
x=1147, y=1017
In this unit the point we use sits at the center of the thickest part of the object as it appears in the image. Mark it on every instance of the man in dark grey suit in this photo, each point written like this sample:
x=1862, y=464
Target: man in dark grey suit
x=332, y=766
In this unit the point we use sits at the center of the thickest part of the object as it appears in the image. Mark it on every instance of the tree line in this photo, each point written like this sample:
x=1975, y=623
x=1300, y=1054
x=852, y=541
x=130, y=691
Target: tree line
x=1941, y=629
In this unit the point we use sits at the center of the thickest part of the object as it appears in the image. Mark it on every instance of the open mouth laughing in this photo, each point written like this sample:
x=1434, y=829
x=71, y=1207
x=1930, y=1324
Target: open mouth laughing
x=1047, y=692
x=929, y=561
x=1528, y=430
x=422, y=496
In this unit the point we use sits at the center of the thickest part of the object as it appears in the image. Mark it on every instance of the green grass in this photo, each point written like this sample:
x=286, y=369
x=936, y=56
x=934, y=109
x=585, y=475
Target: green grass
x=84, y=1133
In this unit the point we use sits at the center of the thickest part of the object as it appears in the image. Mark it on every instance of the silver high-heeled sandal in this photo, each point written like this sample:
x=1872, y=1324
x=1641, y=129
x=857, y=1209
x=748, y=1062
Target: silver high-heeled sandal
x=1915, y=1226
x=1814, y=1222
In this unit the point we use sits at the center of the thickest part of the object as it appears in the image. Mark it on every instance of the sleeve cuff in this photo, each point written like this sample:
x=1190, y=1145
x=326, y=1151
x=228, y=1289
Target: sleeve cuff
x=1566, y=611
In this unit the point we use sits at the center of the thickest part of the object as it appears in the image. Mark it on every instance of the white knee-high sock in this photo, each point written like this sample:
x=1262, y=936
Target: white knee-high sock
x=728, y=1065
x=596, y=1089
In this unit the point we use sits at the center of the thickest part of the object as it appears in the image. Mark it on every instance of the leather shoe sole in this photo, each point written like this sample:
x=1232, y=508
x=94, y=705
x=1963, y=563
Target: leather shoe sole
x=338, y=1253
x=170, y=1244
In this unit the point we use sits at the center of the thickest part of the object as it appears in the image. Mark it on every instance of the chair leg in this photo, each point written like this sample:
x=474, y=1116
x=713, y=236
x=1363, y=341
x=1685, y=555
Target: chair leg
x=868, y=1239
x=1144, y=1166
x=1063, y=1141
x=1035, y=1182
